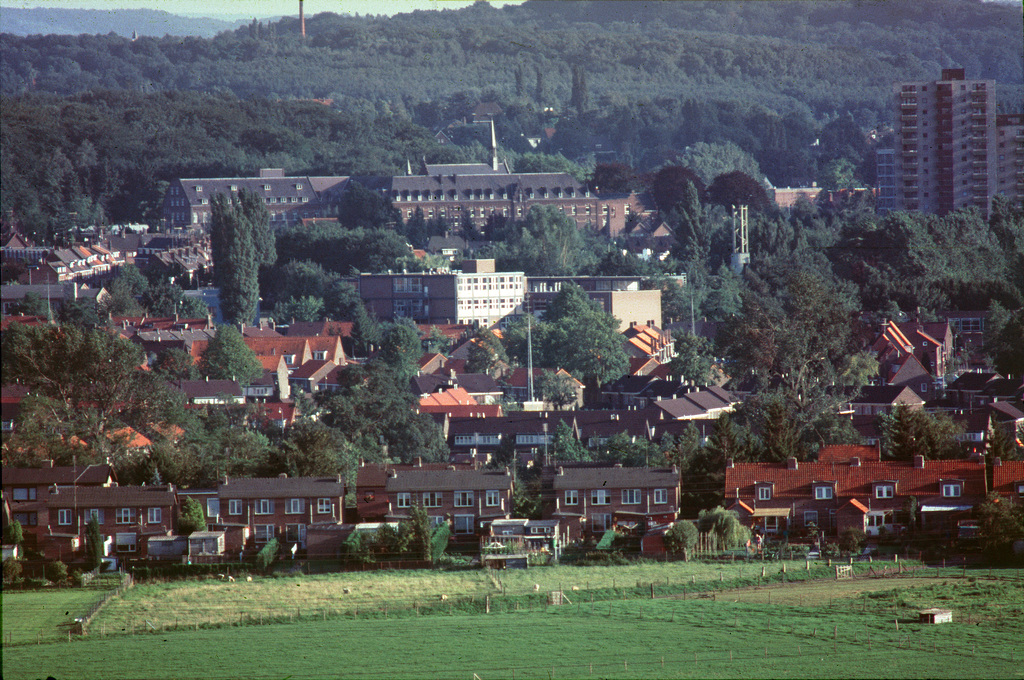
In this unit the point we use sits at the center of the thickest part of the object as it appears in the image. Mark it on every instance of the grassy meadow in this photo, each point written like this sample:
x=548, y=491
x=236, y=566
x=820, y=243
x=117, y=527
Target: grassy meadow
x=44, y=615
x=839, y=629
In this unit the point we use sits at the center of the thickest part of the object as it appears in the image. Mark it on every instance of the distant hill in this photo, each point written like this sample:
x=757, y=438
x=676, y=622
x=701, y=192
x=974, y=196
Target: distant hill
x=123, y=22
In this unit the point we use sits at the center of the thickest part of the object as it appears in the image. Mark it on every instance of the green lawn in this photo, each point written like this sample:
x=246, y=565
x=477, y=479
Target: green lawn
x=854, y=637
x=41, y=615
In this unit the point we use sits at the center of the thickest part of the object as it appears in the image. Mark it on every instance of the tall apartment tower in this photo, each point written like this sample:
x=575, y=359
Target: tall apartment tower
x=946, y=144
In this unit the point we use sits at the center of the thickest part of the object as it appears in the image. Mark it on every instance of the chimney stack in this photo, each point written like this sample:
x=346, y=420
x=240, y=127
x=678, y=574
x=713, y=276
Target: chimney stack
x=791, y=464
x=919, y=462
x=302, y=19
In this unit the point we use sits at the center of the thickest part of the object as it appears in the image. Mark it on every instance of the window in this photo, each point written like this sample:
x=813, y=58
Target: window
x=810, y=517
x=660, y=496
x=295, y=533
x=764, y=493
x=26, y=519
x=493, y=498
x=771, y=525
x=600, y=522
x=125, y=515
x=153, y=515
x=822, y=493
x=404, y=500
x=235, y=506
x=264, y=506
x=94, y=512
x=572, y=497
x=295, y=506
x=323, y=506
x=950, y=490
x=885, y=491
x=600, y=497
x=64, y=516
x=263, y=533
x=25, y=494
x=463, y=499
x=432, y=499
x=126, y=542
x=631, y=496
x=463, y=524
x=212, y=507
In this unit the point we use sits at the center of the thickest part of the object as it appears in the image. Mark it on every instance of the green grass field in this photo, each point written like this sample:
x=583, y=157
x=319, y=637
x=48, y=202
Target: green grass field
x=843, y=629
x=42, y=615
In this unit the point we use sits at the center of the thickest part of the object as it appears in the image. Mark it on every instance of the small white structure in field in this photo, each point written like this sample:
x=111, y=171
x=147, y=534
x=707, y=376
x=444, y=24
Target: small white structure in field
x=935, y=616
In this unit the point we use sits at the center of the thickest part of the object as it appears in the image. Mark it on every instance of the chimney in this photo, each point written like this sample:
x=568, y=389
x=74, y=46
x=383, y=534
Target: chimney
x=997, y=462
x=561, y=471
x=791, y=464
x=919, y=462
x=393, y=473
x=283, y=475
x=730, y=463
x=302, y=19
x=855, y=461
x=419, y=461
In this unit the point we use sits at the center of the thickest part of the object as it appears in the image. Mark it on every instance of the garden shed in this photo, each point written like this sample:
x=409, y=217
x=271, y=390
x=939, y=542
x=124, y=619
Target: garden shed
x=935, y=616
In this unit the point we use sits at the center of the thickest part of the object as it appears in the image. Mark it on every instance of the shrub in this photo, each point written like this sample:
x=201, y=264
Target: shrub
x=267, y=554
x=851, y=540
x=681, y=537
x=56, y=572
x=12, y=570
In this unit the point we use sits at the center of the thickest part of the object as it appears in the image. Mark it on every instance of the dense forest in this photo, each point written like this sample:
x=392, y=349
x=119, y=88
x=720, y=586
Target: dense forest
x=637, y=81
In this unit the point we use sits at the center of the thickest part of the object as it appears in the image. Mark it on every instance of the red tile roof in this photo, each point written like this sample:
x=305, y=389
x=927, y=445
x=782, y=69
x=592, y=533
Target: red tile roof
x=843, y=453
x=1005, y=477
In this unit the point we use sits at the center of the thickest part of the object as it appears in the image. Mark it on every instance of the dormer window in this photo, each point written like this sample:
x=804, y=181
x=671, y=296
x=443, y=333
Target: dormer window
x=886, y=490
x=298, y=187
x=199, y=188
x=951, y=489
x=233, y=187
x=764, y=492
x=823, y=492
x=266, y=187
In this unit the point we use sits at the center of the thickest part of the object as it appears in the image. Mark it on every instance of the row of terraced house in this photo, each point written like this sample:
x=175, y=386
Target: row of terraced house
x=848, y=486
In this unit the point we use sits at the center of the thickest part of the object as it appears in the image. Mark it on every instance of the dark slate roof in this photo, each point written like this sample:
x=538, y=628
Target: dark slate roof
x=106, y=496
x=1004, y=388
x=282, y=487
x=420, y=479
x=884, y=394
x=428, y=384
x=477, y=383
x=973, y=381
x=563, y=477
x=198, y=389
x=86, y=474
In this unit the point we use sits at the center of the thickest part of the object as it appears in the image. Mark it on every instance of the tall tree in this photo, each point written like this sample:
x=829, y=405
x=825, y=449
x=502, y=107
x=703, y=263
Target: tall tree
x=235, y=259
x=227, y=357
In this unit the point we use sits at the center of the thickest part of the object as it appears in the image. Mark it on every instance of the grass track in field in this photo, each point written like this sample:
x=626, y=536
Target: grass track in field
x=620, y=639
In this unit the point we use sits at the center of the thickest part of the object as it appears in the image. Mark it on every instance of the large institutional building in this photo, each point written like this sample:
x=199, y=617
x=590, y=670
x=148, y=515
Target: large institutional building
x=458, y=193
x=952, y=150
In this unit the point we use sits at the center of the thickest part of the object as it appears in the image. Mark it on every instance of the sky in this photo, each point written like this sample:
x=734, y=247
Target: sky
x=240, y=9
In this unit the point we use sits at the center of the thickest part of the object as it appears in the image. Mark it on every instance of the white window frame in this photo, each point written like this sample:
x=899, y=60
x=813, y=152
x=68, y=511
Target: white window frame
x=600, y=497
x=64, y=516
x=324, y=506
x=467, y=522
x=432, y=499
x=154, y=515
x=951, y=490
x=295, y=506
x=572, y=497
x=810, y=517
x=764, y=493
x=264, y=506
x=660, y=496
x=631, y=496
x=604, y=519
x=823, y=492
x=403, y=499
x=463, y=499
x=885, y=490
x=263, y=533
x=94, y=512
x=125, y=516
x=234, y=506
x=492, y=499
x=127, y=539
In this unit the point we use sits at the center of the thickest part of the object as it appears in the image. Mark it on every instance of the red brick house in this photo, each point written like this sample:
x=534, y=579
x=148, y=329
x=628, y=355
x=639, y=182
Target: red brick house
x=26, y=491
x=127, y=515
x=466, y=497
x=277, y=507
x=865, y=494
x=590, y=499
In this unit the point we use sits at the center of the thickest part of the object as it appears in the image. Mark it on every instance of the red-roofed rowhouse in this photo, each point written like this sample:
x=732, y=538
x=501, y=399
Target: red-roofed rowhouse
x=1008, y=479
x=871, y=495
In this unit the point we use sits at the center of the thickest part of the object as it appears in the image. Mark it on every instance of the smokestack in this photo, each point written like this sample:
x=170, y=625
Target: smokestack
x=302, y=19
